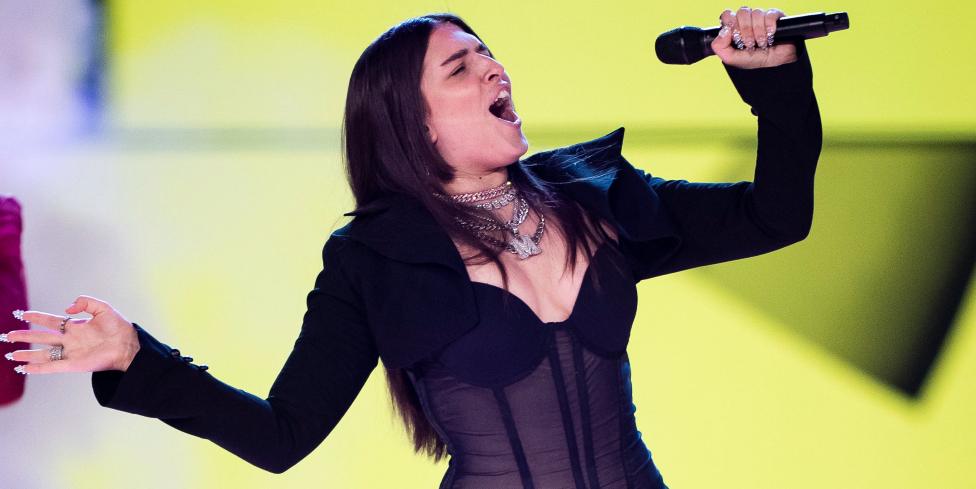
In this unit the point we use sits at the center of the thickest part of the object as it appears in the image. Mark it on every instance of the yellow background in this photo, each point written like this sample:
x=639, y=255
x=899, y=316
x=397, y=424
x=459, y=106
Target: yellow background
x=201, y=211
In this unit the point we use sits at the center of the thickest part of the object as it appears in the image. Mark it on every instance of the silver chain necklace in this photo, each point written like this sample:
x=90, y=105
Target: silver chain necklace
x=486, y=194
x=518, y=244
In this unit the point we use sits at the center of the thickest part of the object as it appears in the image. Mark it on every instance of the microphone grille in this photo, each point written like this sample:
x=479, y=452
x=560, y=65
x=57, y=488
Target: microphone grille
x=679, y=46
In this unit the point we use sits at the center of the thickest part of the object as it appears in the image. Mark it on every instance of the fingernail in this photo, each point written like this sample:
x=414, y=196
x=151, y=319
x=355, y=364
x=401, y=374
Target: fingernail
x=3, y=338
x=20, y=369
x=769, y=38
x=9, y=356
x=19, y=314
x=724, y=31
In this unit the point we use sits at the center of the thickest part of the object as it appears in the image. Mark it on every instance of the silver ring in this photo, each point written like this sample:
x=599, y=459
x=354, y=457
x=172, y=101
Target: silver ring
x=56, y=352
x=63, y=322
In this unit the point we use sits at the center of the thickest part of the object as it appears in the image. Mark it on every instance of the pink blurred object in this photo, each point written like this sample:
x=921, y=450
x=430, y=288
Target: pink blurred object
x=13, y=294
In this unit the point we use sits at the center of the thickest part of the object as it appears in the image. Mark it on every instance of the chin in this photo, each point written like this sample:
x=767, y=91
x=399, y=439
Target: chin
x=522, y=147
x=513, y=152
x=518, y=145
x=487, y=148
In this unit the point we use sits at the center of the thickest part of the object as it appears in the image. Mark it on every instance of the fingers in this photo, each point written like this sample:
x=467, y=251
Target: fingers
x=32, y=356
x=88, y=304
x=33, y=336
x=51, y=321
x=47, y=367
x=772, y=15
x=721, y=44
x=750, y=28
x=39, y=362
x=743, y=19
x=727, y=17
x=757, y=17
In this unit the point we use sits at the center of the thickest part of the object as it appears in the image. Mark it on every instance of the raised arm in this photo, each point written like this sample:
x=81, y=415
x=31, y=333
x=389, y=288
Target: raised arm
x=333, y=356
x=719, y=222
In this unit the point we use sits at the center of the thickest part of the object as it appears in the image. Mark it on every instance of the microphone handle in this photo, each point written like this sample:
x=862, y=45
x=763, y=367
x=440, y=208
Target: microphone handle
x=793, y=28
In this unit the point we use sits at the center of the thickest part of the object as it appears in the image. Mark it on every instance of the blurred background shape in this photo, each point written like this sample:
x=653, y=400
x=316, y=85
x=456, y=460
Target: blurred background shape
x=13, y=292
x=51, y=71
x=884, y=281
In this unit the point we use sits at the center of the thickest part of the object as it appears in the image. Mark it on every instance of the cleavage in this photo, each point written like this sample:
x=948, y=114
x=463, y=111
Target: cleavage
x=579, y=283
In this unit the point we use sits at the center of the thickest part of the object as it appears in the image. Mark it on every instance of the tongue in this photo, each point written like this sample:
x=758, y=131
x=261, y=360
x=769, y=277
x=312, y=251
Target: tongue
x=508, y=114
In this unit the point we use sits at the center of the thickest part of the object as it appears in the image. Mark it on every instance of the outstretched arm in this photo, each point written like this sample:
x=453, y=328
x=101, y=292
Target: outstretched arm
x=331, y=360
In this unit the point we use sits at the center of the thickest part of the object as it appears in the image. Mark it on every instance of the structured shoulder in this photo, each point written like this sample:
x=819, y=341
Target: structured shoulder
x=587, y=160
x=342, y=253
x=414, y=304
x=412, y=281
x=596, y=175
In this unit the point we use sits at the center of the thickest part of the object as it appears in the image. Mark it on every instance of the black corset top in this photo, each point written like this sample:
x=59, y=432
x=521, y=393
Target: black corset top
x=520, y=402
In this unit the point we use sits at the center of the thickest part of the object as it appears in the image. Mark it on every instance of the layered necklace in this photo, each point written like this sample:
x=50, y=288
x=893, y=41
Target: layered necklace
x=482, y=227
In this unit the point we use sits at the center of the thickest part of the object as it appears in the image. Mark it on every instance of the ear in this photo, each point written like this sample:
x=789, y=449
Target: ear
x=432, y=134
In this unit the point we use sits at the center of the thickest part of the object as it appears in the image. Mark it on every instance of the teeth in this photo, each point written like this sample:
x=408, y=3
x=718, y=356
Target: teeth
x=503, y=95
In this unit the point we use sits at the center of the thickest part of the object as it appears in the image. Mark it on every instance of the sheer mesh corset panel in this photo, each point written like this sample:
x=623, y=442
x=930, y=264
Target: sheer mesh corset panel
x=524, y=403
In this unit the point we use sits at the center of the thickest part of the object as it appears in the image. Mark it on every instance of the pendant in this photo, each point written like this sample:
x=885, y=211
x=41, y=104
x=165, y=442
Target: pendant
x=524, y=246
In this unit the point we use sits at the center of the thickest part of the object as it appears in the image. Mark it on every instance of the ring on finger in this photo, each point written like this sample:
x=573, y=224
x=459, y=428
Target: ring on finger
x=56, y=352
x=63, y=322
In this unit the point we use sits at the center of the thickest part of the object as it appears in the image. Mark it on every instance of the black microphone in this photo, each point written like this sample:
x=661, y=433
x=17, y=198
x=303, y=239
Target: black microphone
x=686, y=45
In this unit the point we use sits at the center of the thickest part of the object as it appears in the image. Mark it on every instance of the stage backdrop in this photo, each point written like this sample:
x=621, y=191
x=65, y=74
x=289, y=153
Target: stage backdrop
x=180, y=160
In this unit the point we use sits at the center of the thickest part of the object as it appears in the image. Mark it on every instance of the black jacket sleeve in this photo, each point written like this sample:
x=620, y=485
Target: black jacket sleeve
x=719, y=222
x=331, y=360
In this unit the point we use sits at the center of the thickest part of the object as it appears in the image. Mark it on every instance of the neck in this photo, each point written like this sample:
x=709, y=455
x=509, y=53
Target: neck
x=467, y=182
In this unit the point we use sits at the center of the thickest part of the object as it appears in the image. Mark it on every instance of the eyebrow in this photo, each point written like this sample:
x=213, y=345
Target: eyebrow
x=460, y=53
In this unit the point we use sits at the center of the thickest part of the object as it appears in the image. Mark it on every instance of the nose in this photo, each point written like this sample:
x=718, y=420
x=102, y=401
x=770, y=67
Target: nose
x=494, y=70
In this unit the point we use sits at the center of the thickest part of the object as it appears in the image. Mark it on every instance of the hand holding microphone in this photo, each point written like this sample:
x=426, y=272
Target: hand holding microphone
x=747, y=38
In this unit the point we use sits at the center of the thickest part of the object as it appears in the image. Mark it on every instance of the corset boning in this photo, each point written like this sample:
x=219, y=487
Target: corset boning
x=525, y=403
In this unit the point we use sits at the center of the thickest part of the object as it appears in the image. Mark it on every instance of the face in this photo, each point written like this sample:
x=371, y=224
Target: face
x=471, y=120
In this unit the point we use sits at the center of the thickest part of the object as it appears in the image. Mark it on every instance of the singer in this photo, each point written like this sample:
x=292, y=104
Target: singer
x=499, y=292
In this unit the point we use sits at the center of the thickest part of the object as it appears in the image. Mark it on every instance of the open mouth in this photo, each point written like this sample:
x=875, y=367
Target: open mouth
x=502, y=107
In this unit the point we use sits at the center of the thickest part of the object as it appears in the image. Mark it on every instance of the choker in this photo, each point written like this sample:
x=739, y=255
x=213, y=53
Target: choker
x=482, y=227
x=486, y=194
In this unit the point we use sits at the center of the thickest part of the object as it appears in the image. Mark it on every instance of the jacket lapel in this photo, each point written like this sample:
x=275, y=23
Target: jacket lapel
x=400, y=228
x=593, y=173
x=414, y=312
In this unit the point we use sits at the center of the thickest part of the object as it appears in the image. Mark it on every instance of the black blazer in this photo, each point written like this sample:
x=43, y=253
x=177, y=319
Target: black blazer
x=393, y=286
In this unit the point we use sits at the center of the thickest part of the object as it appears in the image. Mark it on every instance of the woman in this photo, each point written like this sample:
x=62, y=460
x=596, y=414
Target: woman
x=499, y=293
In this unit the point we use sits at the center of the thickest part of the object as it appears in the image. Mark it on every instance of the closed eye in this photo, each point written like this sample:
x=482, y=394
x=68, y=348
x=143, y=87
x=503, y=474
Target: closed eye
x=482, y=49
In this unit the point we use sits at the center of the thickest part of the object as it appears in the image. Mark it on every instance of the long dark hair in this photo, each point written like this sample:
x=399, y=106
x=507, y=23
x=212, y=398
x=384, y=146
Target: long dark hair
x=386, y=150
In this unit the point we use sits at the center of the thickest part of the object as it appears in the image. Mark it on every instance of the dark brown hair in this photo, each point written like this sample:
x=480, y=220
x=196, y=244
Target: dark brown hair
x=386, y=150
